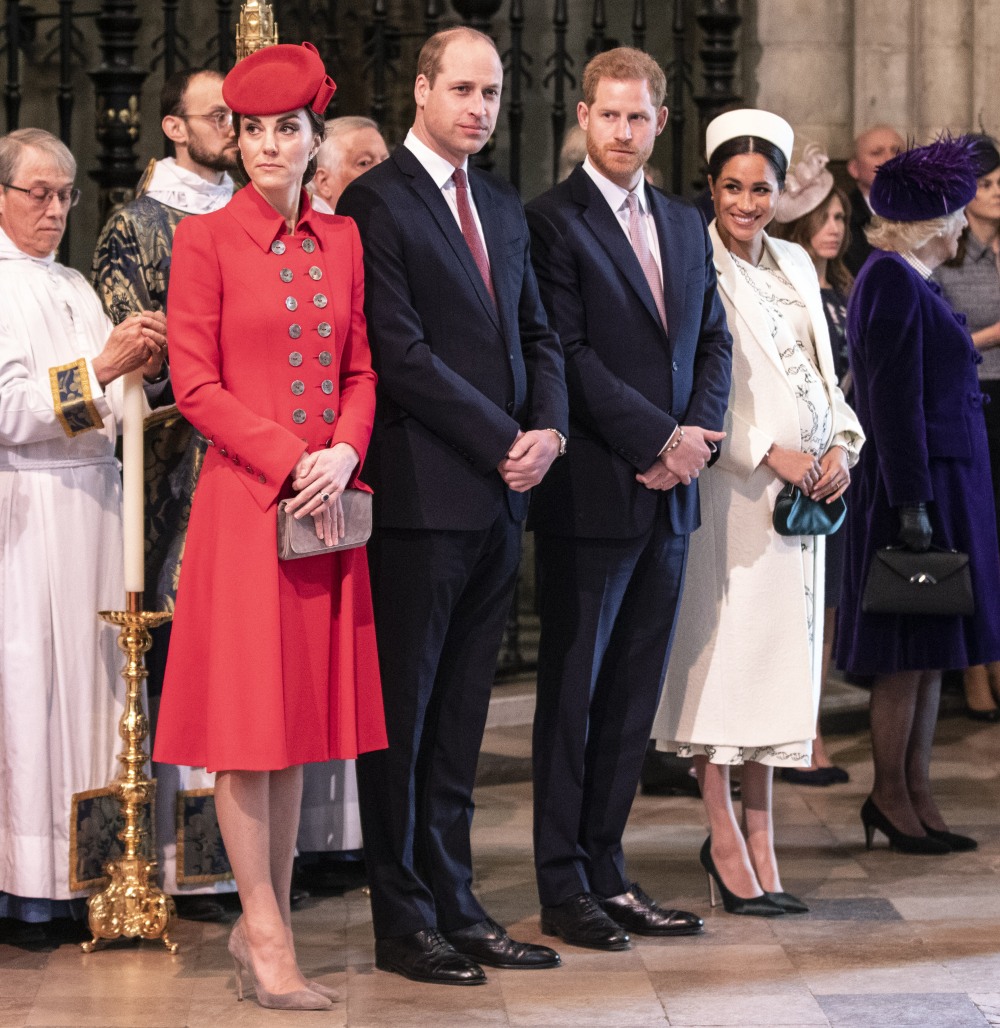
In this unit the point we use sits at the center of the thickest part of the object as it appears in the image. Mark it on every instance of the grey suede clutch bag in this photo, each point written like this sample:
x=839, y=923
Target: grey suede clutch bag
x=297, y=537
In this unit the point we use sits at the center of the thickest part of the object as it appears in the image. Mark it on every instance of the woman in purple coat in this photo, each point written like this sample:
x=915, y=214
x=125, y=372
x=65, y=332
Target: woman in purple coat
x=923, y=478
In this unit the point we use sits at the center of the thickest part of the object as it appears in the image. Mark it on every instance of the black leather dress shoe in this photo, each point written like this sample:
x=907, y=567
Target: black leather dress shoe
x=488, y=943
x=581, y=922
x=639, y=913
x=426, y=956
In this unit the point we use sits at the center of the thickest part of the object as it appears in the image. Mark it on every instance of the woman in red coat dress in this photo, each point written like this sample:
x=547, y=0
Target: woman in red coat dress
x=272, y=664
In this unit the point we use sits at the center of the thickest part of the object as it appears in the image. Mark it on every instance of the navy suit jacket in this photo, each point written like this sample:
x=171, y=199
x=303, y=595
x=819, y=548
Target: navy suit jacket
x=458, y=377
x=630, y=383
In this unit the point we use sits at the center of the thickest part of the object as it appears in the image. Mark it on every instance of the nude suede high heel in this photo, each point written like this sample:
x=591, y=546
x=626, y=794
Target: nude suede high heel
x=300, y=999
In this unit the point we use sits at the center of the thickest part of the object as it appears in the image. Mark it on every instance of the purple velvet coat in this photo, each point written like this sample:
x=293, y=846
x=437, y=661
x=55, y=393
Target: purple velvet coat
x=918, y=399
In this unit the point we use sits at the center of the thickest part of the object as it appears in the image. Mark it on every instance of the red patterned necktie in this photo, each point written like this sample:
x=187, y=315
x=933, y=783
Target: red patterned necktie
x=471, y=233
x=646, y=260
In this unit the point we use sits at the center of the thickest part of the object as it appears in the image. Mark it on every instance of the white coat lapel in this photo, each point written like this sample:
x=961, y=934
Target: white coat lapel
x=743, y=302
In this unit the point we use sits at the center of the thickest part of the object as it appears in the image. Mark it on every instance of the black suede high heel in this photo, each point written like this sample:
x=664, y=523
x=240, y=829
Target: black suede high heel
x=754, y=906
x=955, y=842
x=873, y=818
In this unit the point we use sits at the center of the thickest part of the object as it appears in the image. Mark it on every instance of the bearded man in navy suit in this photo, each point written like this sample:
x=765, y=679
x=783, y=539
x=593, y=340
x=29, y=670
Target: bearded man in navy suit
x=626, y=276
x=471, y=413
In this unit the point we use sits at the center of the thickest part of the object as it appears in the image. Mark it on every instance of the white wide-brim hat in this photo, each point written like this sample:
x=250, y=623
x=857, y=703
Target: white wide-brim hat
x=749, y=122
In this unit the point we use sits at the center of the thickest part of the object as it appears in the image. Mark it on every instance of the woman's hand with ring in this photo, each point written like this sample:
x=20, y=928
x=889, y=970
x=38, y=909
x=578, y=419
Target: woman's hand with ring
x=319, y=478
x=835, y=477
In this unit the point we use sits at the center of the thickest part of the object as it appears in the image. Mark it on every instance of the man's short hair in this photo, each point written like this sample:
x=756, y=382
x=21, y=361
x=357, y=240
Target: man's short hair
x=621, y=64
x=172, y=93
x=328, y=156
x=431, y=54
x=13, y=145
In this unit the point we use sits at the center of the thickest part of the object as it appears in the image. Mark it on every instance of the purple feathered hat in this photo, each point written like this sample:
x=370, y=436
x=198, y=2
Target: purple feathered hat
x=926, y=182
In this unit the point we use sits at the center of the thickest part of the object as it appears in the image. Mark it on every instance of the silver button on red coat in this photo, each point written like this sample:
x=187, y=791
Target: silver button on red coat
x=315, y=273
x=308, y=245
x=278, y=247
x=325, y=358
x=298, y=415
x=291, y=303
x=327, y=386
x=320, y=300
x=298, y=387
x=295, y=358
x=324, y=328
x=294, y=330
x=328, y=416
x=286, y=275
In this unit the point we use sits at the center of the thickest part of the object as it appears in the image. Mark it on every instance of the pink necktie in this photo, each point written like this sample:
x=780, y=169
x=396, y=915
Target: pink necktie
x=471, y=233
x=646, y=260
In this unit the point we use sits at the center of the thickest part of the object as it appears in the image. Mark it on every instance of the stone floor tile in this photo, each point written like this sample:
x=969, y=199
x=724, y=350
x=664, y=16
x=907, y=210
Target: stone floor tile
x=926, y=1010
x=581, y=1000
x=377, y=999
x=774, y=1010
x=988, y=1004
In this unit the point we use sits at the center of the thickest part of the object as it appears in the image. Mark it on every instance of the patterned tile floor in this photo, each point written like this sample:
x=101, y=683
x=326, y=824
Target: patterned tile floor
x=891, y=939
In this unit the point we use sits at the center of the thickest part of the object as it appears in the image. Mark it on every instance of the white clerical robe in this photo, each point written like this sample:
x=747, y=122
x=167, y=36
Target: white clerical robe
x=61, y=693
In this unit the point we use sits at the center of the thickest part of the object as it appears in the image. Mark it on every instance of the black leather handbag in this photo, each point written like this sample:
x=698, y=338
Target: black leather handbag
x=796, y=514
x=901, y=581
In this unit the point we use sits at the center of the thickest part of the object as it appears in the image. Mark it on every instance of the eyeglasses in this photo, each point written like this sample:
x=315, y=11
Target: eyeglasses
x=41, y=196
x=222, y=119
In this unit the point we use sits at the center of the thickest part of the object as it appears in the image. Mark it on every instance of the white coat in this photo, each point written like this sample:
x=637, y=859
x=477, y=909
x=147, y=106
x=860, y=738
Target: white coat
x=742, y=671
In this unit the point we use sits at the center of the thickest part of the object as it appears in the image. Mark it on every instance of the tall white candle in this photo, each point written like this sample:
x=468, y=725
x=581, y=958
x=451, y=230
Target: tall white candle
x=132, y=460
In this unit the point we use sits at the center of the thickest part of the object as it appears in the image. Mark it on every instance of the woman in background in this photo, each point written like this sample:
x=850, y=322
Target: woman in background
x=970, y=282
x=815, y=213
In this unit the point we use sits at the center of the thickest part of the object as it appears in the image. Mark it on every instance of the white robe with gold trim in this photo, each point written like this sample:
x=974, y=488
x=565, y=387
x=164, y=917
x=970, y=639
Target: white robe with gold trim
x=60, y=562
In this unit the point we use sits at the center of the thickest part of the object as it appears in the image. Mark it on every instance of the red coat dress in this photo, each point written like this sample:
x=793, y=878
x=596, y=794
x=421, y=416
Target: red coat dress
x=271, y=663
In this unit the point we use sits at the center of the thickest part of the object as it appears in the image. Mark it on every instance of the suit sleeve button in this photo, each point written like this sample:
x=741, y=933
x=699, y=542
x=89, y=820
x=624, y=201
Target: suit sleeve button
x=510, y=408
x=261, y=479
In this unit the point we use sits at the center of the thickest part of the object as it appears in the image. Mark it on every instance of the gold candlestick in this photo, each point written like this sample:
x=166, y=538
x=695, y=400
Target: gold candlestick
x=132, y=904
x=256, y=29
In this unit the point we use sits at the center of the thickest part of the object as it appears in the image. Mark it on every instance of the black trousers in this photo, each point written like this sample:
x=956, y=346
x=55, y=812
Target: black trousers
x=608, y=609
x=441, y=601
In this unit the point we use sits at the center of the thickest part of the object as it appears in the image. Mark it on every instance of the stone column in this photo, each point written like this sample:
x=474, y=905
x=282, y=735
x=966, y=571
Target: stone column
x=805, y=72
x=883, y=64
x=943, y=67
x=985, y=111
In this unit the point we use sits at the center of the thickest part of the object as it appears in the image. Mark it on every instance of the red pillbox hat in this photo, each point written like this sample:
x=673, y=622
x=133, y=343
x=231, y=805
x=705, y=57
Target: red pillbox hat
x=277, y=79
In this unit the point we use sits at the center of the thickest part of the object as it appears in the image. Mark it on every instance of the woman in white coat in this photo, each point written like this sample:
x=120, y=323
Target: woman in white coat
x=744, y=678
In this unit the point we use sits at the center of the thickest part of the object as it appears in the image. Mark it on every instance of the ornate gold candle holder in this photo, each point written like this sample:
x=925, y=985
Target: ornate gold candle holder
x=132, y=904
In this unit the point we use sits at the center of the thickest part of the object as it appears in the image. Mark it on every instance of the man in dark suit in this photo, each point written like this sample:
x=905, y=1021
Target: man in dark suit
x=873, y=147
x=626, y=275
x=471, y=413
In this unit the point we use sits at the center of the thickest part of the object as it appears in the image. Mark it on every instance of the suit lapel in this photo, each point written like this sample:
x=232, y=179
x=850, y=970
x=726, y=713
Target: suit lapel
x=671, y=240
x=423, y=185
x=603, y=222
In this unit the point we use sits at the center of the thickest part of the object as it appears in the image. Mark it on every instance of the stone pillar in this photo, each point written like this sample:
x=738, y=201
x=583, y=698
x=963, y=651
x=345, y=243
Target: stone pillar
x=985, y=110
x=942, y=74
x=805, y=68
x=883, y=64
